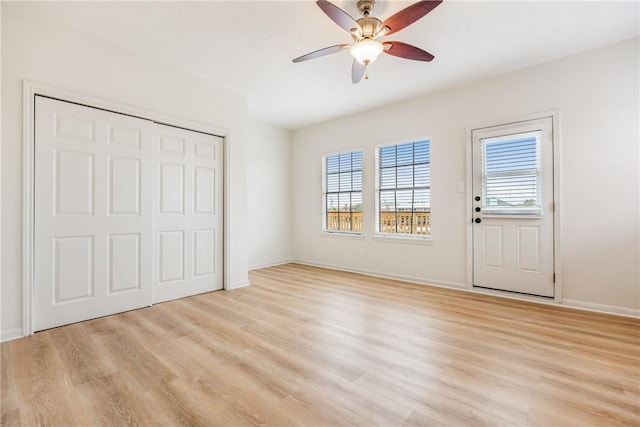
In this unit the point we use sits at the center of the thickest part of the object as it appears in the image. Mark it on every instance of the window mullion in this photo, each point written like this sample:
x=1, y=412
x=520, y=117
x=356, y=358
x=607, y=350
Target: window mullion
x=413, y=194
x=395, y=191
x=413, y=185
x=395, y=209
x=350, y=211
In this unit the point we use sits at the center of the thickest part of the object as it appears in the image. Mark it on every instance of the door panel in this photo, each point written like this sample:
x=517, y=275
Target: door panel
x=93, y=215
x=124, y=185
x=204, y=252
x=189, y=214
x=124, y=263
x=73, y=268
x=73, y=178
x=171, y=256
x=171, y=188
x=513, y=208
x=492, y=242
x=528, y=248
x=204, y=190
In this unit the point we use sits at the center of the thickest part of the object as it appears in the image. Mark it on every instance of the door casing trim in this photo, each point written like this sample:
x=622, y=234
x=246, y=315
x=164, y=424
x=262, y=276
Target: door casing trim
x=29, y=91
x=554, y=115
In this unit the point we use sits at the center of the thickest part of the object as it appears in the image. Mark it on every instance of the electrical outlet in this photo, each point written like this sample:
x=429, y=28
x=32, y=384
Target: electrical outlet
x=361, y=251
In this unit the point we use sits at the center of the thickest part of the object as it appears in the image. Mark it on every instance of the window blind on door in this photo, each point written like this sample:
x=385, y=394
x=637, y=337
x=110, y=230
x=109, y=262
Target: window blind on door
x=511, y=174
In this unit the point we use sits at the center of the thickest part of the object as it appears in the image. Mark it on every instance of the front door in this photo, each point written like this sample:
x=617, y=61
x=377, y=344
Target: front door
x=513, y=207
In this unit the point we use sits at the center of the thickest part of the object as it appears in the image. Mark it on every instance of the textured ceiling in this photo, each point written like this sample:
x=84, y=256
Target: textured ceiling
x=249, y=45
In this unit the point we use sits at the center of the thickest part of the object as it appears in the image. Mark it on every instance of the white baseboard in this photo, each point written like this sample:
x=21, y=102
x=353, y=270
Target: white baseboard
x=271, y=264
x=242, y=284
x=402, y=278
x=580, y=305
x=601, y=308
x=11, y=334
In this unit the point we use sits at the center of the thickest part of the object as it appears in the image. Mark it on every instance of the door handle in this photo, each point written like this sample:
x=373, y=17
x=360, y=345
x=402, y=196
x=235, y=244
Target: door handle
x=477, y=220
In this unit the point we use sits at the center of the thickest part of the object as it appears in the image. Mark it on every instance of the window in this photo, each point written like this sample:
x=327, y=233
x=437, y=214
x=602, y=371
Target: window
x=511, y=173
x=343, y=192
x=404, y=189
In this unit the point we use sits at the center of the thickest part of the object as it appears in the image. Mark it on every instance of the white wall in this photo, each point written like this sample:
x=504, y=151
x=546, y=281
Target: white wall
x=596, y=93
x=1, y=297
x=268, y=195
x=50, y=53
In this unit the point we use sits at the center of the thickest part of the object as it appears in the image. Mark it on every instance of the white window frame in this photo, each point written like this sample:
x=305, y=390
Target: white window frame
x=400, y=237
x=535, y=211
x=341, y=233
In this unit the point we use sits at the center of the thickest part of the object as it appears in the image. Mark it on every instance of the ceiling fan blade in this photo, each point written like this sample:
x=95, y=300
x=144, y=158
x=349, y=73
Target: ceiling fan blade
x=407, y=51
x=321, y=52
x=357, y=71
x=409, y=15
x=337, y=15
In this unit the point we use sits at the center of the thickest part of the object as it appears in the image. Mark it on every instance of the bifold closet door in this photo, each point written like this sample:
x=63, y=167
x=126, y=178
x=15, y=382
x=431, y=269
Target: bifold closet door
x=93, y=213
x=189, y=214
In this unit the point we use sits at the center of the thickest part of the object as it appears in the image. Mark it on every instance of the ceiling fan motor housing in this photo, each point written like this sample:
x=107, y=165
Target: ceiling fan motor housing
x=369, y=28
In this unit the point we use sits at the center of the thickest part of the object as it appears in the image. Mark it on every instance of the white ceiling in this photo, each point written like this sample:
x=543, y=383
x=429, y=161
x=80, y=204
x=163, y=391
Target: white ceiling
x=249, y=45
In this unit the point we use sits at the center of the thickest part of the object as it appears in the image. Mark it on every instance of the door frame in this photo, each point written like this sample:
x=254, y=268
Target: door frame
x=29, y=91
x=554, y=115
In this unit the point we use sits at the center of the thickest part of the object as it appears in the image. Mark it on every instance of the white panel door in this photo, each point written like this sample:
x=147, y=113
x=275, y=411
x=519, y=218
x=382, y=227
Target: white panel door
x=188, y=259
x=93, y=213
x=513, y=208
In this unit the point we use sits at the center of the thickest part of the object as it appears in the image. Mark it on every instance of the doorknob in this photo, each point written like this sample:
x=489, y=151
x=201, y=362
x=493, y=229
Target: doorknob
x=477, y=220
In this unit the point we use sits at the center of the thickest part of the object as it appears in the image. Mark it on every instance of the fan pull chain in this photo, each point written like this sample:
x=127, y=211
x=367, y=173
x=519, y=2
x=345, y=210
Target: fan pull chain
x=366, y=72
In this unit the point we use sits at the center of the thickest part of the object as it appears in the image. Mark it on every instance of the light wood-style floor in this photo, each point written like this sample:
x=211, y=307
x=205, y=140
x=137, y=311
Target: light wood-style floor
x=307, y=346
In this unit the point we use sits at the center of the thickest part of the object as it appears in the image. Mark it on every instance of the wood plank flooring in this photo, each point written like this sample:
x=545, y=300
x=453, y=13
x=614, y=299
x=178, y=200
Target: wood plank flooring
x=315, y=347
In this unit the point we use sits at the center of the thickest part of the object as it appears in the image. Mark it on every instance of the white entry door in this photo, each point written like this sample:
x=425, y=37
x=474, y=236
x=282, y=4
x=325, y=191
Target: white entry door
x=93, y=213
x=513, y=228
x=189, y=214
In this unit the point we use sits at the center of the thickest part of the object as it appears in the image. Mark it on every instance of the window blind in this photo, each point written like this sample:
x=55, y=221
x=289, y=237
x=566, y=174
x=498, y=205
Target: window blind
x=404, y=188
x=343, y=192
x=511, y=173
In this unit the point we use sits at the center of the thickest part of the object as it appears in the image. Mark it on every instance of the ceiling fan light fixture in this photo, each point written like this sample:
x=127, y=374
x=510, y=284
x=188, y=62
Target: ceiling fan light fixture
x=366, y=51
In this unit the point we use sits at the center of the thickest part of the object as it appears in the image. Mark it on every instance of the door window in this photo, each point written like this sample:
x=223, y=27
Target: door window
x=511, y=174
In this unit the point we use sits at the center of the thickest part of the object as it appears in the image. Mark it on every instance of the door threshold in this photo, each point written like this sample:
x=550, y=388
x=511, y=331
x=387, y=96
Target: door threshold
x=513, y=294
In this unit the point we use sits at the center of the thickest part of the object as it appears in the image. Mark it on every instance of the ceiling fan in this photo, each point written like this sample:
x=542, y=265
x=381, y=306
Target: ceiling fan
x=367, y=30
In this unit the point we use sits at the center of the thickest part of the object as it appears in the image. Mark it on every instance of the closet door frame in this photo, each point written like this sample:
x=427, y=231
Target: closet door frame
x=30, y=91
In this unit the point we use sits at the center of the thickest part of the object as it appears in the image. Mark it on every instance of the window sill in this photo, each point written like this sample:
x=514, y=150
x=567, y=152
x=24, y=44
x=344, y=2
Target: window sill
x=404, y=239
x=342, y=235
